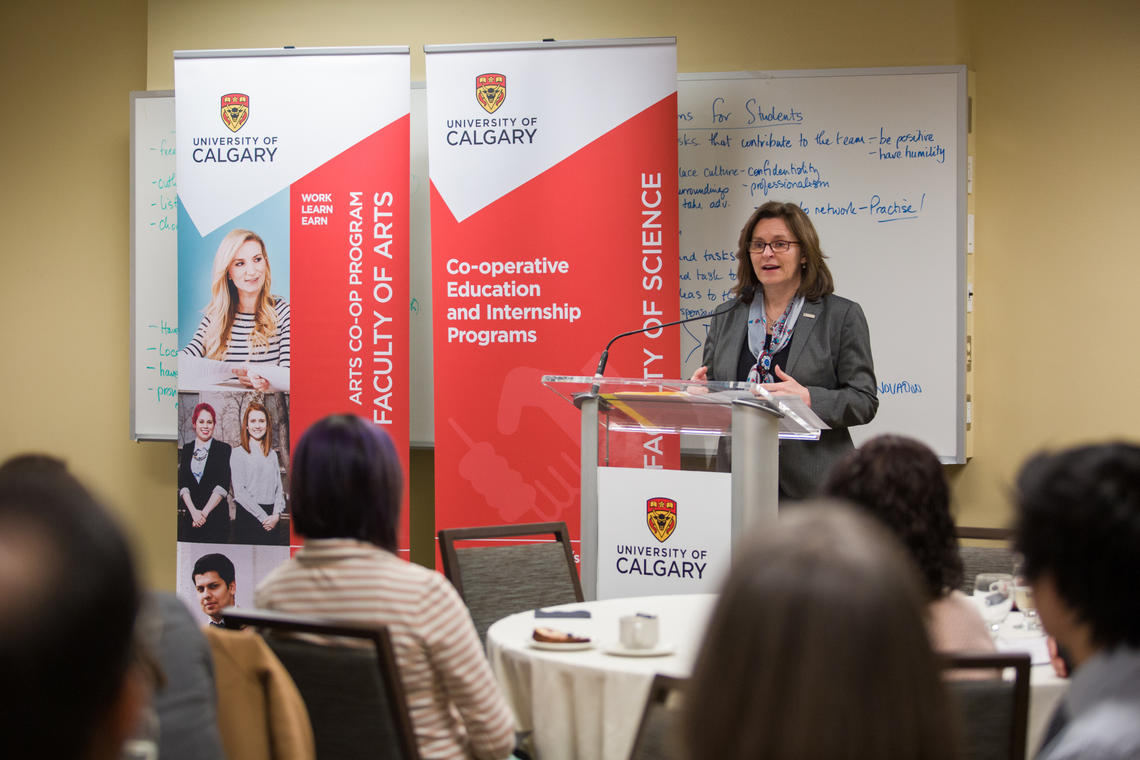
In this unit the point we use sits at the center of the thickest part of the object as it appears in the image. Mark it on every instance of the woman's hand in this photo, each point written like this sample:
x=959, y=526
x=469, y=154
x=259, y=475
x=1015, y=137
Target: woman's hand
x=251, y=379
x=788, y=386
x=270, y=523
x=700, y=376
x=197, y=517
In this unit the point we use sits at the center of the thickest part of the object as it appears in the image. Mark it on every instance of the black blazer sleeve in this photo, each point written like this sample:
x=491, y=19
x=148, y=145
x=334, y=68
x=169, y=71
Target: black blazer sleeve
x=727, y=332
x=217, y=471
x=185, y=477
x=831, y=357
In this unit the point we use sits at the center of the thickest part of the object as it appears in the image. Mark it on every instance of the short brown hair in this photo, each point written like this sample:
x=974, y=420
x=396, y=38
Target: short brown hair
x=818, y=648
x=816, y=280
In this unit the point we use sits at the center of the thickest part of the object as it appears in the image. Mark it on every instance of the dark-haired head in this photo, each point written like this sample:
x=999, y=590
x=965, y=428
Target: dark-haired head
x=900, y=481
x=346, y=482
x=69, y=597
x=818, y=648
x=1078, y=523
x=816, y=280
x=34, y=463
x=218, y=563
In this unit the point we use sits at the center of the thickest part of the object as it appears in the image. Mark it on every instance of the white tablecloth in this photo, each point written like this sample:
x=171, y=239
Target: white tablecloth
x=1045, y=686
x=586, y=705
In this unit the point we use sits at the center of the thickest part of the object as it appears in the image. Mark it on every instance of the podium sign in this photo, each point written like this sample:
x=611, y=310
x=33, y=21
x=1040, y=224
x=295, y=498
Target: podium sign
x=662, y=531
x=652, y=530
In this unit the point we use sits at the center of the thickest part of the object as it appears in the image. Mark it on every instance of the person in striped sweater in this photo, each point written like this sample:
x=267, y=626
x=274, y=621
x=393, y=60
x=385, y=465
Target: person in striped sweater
x=346, y=489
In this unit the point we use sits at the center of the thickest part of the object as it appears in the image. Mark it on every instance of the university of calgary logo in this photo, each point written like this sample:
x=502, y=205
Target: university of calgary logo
x=235, y=110
x=662, y=517
x=490, y=91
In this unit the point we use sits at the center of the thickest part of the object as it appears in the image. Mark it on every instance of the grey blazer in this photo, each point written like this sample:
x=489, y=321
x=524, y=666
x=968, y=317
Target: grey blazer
x=830, y=355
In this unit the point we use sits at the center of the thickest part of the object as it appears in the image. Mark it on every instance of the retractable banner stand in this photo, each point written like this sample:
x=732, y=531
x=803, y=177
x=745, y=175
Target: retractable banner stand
x=293, y=196
x=554, y=227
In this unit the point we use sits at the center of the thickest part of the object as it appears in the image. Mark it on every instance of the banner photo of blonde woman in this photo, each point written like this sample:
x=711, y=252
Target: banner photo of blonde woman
x=234, y=296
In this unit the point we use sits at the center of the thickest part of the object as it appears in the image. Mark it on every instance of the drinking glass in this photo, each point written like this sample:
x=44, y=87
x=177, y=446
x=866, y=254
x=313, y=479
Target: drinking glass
x=993, y=593
x=1023, y=597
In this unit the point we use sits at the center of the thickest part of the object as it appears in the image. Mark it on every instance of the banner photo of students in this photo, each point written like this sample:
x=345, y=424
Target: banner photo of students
x=293, y=216
x=553, y=172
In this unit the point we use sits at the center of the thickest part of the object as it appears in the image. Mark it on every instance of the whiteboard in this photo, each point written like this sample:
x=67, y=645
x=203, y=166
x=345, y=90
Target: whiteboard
x=877, y=158
x=154, y=268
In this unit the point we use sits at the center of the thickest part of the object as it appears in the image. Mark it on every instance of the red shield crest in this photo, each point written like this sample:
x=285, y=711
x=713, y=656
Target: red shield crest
x=661, y=514
x=490, y=91
x=235, y=110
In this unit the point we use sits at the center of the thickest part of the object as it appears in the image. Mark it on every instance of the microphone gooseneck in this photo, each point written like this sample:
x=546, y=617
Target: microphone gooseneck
x=606, y=351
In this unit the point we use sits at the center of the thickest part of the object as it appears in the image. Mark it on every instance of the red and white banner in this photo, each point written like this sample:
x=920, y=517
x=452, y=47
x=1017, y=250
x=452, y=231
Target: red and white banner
x=554, y=226
x=303, y=155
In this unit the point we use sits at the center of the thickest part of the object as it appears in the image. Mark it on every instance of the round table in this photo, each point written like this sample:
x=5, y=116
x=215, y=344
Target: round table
x=587, y=704
x=1045, y=686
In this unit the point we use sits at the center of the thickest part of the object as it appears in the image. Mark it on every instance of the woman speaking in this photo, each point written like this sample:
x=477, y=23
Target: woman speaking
x=787, y=331
x=243, y=323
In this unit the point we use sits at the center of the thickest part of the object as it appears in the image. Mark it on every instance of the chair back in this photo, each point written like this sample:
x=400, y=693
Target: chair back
x=658, y=735
x=349, y=681
x=993, y=711
x=500, y=580
x=983, y=559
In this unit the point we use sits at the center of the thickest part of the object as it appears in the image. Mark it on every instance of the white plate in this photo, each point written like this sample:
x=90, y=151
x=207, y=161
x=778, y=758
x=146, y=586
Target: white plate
x=661, y=650
x=1027, y=641
x=561, y=646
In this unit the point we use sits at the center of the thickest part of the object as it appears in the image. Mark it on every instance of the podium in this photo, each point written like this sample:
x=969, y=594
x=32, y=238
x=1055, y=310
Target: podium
x=656, y=518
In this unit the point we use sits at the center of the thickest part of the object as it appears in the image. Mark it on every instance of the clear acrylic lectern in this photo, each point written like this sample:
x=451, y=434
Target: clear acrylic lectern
x=648, y=552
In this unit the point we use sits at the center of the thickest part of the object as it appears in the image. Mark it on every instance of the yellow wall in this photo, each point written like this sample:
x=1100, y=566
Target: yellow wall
x=711, y=36
x=1055, y=117
x=65, y=71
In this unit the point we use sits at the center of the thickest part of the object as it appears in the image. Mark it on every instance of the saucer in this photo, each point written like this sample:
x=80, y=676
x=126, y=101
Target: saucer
x=661, y=650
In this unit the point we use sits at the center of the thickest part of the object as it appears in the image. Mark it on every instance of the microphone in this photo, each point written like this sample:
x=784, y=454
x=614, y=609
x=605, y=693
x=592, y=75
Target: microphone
x=606, y=352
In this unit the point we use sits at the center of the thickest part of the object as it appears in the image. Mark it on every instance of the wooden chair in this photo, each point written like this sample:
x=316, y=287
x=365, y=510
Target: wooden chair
x=509, y=577
x=993, y=712
x=657, y=734
x=350, y=683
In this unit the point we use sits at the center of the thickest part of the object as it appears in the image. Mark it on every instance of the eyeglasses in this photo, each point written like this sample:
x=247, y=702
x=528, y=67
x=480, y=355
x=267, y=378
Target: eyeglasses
x=777, y=246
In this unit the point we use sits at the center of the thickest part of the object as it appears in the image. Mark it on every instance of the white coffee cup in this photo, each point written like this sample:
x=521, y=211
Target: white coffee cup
x=639, y=631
